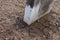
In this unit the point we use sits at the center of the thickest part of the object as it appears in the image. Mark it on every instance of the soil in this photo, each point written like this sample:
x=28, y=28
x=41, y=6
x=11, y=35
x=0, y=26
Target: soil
x=12, y=26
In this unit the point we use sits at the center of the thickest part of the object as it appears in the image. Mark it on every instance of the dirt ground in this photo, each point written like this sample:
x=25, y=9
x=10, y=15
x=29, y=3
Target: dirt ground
x=12, y=26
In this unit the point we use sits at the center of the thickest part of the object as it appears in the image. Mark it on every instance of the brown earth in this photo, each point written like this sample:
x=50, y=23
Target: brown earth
x=12, y=26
